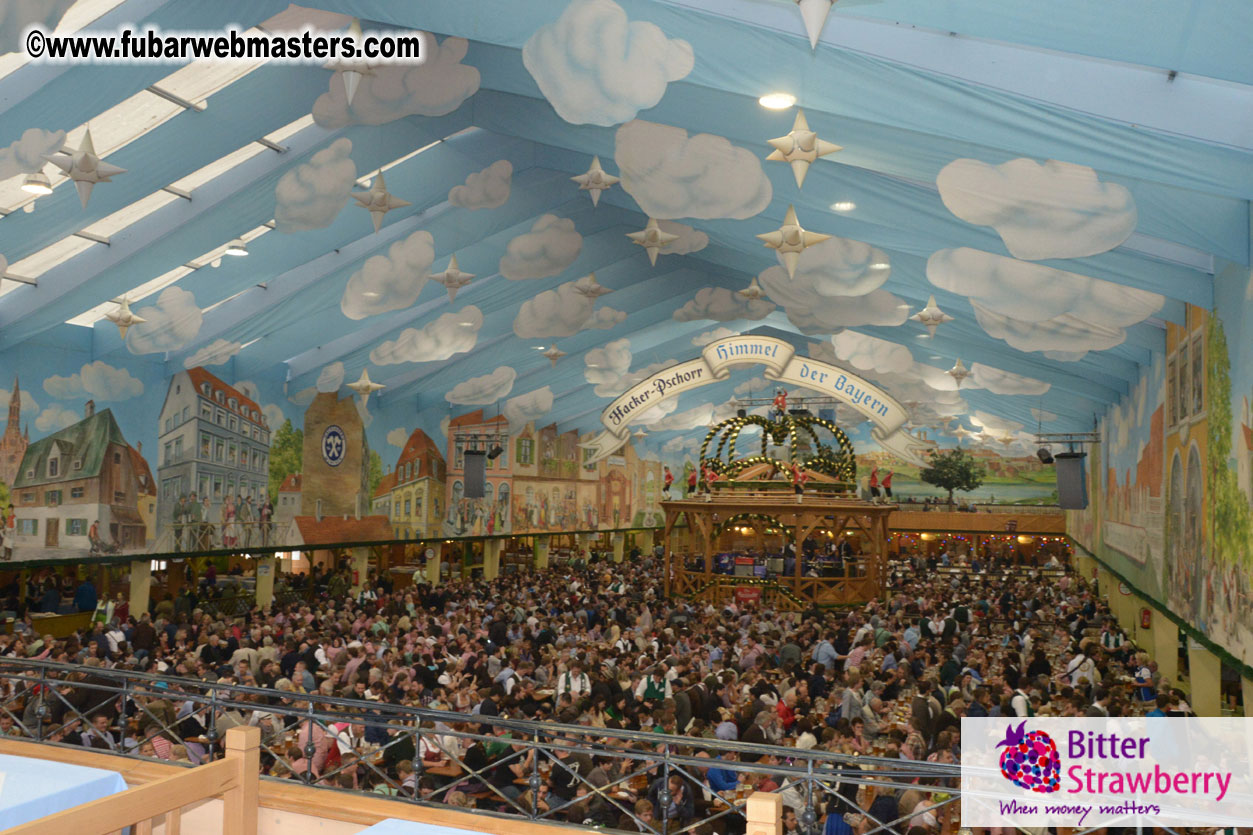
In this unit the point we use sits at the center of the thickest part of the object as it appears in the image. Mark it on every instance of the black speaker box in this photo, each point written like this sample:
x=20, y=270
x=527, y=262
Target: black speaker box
x=1072, y=485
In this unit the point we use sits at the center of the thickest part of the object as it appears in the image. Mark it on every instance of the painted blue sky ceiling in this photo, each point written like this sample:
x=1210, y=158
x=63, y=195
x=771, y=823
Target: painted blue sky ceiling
x=1060, y=225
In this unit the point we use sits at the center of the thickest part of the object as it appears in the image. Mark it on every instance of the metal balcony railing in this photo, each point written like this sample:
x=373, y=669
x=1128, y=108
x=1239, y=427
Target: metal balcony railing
x=534, y=770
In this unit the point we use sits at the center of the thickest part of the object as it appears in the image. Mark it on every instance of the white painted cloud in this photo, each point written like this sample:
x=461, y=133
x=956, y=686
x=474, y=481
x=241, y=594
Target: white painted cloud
x=672, y=175
x=486, y=189
x=310, y=195
x=697, y=417
x=398, y=437
x=609, y=368
x=273, y=415
x=170, y=324
x=1004, y=382
x=392, y=281
x=690, y=239
x=25, y=155
x=752, y=386
x=1043, y=415
x=813, y=313
x=550, y=247
x=524, y=408
x=840, y=267
x=1054, y=210
x=563, y=312
x=1038, y=308
x=597, y=68
x=444, y=424
x=435, y=87
x=215, y=353
x=452, y=333
x=479, y=391
x=96, y=380
x=703, y=339
x=680, y=444
x=998, y=426
x=55, y=417
x=16, y=16
x=722, y=305
x=330, y=378
x=27, y=401
x=304, y=397
x=869, y=353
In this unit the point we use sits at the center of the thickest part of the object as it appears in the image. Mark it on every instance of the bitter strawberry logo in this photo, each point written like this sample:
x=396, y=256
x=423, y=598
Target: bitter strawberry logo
x=1030, y=760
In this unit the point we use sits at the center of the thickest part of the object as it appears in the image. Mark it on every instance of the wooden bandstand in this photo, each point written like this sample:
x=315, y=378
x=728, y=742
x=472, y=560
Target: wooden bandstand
x=710, y=517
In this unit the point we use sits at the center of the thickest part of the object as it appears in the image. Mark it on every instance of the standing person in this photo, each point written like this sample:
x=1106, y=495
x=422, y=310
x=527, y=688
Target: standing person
x=10, y=531
x=780, y=403
x=692, y=478
x=246, y=517
x=180, y=514
x=887, y=484
x=267, y=517
x=667, y=480
x=874, y=485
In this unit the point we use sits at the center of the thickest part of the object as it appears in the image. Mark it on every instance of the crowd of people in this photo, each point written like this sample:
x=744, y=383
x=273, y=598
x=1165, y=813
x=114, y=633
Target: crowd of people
x=597, y=646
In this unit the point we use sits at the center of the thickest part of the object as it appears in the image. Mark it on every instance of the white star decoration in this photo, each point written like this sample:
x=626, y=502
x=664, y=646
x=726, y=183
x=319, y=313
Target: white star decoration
x=84, y=167
x=554, y=353
x=791, y=240
x=123, y=318
x=364, y=386
x=962, y=433
x=453, y=278
x=815, y=14
x=653, y=239
x=590, y=287
x=800, y=147
x=752, y=292
x=378, y=201
x=958, y=372
x=351, y=70
x=931, y=316
x=595, y=180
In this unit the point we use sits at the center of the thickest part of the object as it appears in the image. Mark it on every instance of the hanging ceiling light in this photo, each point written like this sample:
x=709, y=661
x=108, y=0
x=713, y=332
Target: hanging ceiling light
x=236, y=247
x=777, y=101
x=37, y=183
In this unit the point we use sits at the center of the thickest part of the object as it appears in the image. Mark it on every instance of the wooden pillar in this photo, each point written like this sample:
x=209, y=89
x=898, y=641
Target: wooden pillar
x=240, y=803
x=360, y=567
x=23, y=577
x=491, y=559
x=541, y=552
x=140, y=587
x=266, y=568
x=433, y=560
x=1205, y=675
x=764, y=814
x=646, y=541
x=1165, y=649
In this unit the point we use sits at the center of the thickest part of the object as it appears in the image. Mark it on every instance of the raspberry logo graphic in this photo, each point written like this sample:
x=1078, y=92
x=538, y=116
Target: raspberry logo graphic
x=1030, y=760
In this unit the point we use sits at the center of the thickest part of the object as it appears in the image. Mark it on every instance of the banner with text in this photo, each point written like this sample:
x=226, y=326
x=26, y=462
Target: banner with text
x=716, y=362
x=1094, y=772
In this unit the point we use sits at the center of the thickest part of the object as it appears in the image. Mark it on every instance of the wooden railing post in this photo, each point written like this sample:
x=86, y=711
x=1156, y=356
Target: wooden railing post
x=764, y=814
x=239, y=804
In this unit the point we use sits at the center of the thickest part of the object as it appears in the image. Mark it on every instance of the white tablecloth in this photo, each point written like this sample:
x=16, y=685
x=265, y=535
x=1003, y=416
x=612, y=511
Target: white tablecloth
x=33, y=788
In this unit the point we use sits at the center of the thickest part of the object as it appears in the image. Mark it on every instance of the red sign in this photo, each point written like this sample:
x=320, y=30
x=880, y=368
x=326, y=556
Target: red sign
x=748, y=594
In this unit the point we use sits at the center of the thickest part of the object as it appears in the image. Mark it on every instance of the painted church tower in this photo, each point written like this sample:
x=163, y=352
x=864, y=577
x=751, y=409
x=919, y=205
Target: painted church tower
x=14, y=442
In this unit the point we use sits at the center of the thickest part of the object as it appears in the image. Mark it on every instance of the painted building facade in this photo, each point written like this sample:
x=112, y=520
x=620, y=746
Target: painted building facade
x=214, y=443
x=79, y=489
